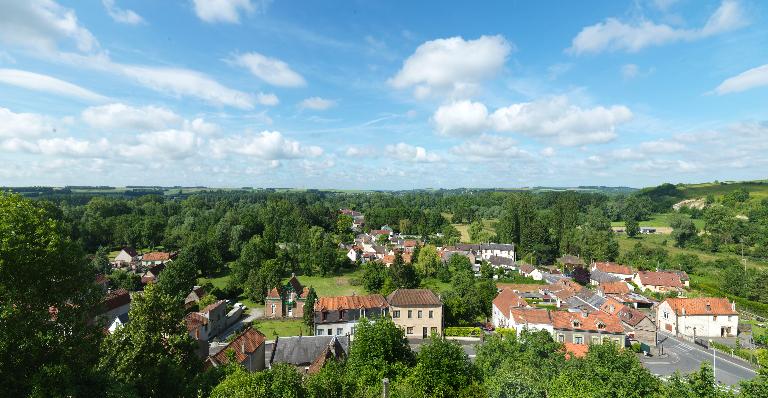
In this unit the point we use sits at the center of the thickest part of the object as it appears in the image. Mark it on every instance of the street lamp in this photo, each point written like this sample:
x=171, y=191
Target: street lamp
x=714, y=361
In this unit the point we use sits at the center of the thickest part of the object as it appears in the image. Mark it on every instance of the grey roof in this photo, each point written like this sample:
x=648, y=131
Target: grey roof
x=499, y=261
x=552, y=278
x=485, y=246
x=302, y=350
x=585, y=300
x=602, y=277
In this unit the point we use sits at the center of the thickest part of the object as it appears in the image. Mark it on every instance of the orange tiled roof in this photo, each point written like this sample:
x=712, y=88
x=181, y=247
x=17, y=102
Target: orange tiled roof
x=156, y=256
x=667, y=279
x=117, y=298
x=591, y=322
x=246, y=343
x=273, y=294
x=573, y=350
x=530, y=315
x=519, y=287
x=702, y=306
x=613, y=268
x=618, y=287
x=350, y=302
x=508, y=299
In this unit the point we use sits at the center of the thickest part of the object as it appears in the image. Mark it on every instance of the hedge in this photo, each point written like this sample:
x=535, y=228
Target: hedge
x=463, y=332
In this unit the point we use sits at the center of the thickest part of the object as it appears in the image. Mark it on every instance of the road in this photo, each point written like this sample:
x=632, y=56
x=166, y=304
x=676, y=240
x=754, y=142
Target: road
x=687, y=357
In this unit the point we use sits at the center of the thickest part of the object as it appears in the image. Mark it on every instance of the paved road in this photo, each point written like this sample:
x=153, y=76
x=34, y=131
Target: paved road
x=687, y=357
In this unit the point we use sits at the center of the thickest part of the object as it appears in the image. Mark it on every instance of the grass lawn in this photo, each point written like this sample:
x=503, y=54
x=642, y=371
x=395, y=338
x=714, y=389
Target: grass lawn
x=281, y=327
x=435, y=285
x=333, y=285
x=660, y=220
x=464, y=229
x=219, y=281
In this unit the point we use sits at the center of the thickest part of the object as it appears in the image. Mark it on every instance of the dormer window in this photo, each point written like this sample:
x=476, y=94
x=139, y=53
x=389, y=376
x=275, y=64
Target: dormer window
x=341, y=314
x=600, y=326
x=709, y=308
x=576, y=324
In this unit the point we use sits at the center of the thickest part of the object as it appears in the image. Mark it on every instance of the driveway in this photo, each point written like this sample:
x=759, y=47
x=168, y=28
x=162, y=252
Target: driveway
x=687, y=357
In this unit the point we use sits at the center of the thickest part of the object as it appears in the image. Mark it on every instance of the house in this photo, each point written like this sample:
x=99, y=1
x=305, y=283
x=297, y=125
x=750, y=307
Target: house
x=194, y=296
x=486, y=250
x=207, y=323
x=608, y=288
x=502, y=262
x=501, y=306
x=308, y=353
x=597, y=277
x=248, y=349
x=339, y=315
x=409, y=245
x=118, y=322
x=447, y=253
x=586, y=328
x=286, y=301
x=389, y=259
x=155, y=258
x=126, y=256
x=417, y=311
x=152, y=273
x=530, y=271
x=684, y=278
x=698, y=317
x=633, y=300
x=619, y=271
x=638, y=326
x=375, y=233
x=584, y=300
x=658, y=281
x=117, y=303
x=569, y=262
x=355, y=253
x=532, y=319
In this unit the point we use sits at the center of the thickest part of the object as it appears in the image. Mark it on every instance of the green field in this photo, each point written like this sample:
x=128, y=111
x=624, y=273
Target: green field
x=656, y=240
x=464, y=229
x=756, y=189
x=661, y=220
x=281, y=327
x=333, y=285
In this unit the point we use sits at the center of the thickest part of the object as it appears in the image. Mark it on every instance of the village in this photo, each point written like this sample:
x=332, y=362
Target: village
x=579, y=303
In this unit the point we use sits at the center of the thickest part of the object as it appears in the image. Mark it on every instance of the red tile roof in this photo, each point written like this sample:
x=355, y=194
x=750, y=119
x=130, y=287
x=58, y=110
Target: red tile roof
x=667, y=279
x=507, y=299
x=246, y=343
x=117, y=298
x=591, y=322
x=273, y=294
x=613, y=268
x=519, y=287
x=573, y=350
x=410, y=243
x=413, y=297
x=530, y=315
x=702, y=306
x=194, y=320
x=350, y=302
x=619, y=287
x=156, y=256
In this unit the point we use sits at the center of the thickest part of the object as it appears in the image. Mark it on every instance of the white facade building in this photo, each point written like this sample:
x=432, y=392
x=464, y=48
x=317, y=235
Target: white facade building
x=698, y=317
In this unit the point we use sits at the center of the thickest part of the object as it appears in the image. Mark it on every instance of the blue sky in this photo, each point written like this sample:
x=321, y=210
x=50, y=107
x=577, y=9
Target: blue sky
x=382, y=94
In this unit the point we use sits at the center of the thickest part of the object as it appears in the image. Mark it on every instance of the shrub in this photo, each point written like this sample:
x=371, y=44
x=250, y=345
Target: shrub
x=463, y=331
x=506, y=332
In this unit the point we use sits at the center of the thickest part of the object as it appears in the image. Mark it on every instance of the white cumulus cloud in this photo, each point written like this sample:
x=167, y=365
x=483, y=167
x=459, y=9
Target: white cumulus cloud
x=452, y=65
x=18, y=125
x=755, y=77
x=411, y=153
x=461, y=118
x=267, y=145
x=487, y=148
x=42, y=25
x=125, y=117
x=118, y=14
x=317, y=103
x=271, y=70
x=164, y=144
x=48, y=84
x=615, y=35
x=267, y=99
x=227, y=11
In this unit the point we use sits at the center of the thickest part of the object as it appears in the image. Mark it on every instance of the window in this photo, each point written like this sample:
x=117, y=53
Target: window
x=323, y=315
x=433, y=330
x=330, y=331
x=561, y=338
x=273, y=309
x=409, y=330
x=353, y=329
x=430, y=314
x=666, y=315
x=341, y=314
x=319, y=332
x=576, y=324
x=600, y=326
x=418, y=314
x=339, y=331
x=578, y=339
x=714, y=318
x=396, y=314
x=290, y=311
x=410, y=314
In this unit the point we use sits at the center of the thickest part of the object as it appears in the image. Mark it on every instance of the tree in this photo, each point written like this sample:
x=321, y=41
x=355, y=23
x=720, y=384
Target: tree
x=442, y=370
x=380, y=350
x=309, y=308
x=201, y=255
x=403, y=275
x=47, y=302
x=631, y=227
x=153, y=354
x=280, y=381
x=261, y=280
x=486, y=270
x=373, y=276
x=683, y=230
x=125, y=280
x=178, y=278
x=330, y=382
x=581, y=275
x=427, y=261
x=100, y=261
x=451, y=235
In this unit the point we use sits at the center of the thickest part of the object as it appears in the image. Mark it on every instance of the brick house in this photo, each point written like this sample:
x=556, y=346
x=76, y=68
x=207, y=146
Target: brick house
x=286, y=301
x=339, y=315
x=248, y=349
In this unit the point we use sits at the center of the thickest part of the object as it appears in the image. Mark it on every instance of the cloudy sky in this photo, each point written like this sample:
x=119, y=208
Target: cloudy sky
x=382, y=94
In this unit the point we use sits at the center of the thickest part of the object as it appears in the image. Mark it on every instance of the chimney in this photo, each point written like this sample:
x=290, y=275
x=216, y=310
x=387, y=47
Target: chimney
x=733, y=305
x=293, y=274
